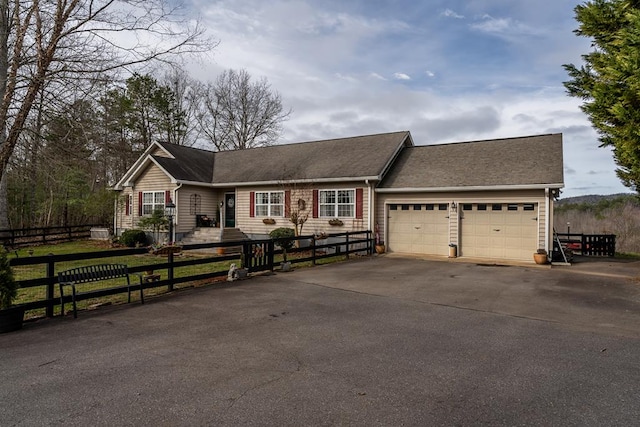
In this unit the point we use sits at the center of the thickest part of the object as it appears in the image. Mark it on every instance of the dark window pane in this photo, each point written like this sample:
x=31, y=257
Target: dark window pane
x=482, y=206
x=393, y=207
x=512, y=207
x=528, y=207
x=443, y=207
x=417, y=207
x=496, y=207
x=467, y=207
x=429, y=207
x=405, y=207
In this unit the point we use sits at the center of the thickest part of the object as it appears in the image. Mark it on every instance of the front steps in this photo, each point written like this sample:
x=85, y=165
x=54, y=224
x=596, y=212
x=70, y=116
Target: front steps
x=212, y=235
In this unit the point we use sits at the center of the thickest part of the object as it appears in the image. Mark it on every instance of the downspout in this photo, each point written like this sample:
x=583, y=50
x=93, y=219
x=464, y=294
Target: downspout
x=175, y=225
x=115, y=216
x=546, y=220
x=369, y=204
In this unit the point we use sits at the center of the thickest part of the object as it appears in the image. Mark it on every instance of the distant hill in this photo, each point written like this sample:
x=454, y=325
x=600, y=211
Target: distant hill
x=592, y=199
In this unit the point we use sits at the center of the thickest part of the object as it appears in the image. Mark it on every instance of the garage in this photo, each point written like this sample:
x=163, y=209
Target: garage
x=499, y=230
x=420, y=228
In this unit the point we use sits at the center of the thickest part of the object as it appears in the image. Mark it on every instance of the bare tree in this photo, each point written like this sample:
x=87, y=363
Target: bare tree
x=77, y=39
x=236, y=114
x=181, y=115
x=46, y=43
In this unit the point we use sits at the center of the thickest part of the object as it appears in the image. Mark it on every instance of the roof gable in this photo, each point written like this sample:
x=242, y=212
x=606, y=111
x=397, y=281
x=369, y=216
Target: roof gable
x=523, y=161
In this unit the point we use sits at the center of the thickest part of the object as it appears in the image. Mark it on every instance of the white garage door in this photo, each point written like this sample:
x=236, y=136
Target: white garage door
x=419, y=228
x=499, y=230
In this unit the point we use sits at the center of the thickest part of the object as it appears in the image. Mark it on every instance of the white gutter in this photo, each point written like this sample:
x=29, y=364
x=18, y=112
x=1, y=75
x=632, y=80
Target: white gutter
x=469, y=188
x=301, y=181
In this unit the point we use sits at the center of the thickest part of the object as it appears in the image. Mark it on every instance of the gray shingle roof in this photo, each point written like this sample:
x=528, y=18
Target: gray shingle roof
x=361, y=156
x=532, y=160
x=189, y=164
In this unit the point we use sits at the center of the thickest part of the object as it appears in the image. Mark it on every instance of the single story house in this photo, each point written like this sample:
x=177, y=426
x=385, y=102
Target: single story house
x=492, y=199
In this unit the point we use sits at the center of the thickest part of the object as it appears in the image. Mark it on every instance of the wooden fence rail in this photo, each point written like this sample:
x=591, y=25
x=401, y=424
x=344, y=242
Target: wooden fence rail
x=262, y=259
x=19, y=237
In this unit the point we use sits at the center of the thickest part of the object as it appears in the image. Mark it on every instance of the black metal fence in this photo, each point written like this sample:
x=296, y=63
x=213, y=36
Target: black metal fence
x=256, y=255
x=19, y=237
x=589, y=244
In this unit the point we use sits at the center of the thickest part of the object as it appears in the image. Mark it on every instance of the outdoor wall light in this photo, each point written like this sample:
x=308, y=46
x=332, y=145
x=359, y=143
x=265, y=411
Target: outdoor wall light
x=454, y=207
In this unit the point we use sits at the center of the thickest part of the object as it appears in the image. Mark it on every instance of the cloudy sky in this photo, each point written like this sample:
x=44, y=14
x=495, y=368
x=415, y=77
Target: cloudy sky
x=446, y=70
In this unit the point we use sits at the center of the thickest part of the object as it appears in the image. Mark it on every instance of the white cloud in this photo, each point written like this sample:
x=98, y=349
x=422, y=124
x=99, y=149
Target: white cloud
x=401, y=76
x=448, y=13
x=321, y=63
x=489, y=24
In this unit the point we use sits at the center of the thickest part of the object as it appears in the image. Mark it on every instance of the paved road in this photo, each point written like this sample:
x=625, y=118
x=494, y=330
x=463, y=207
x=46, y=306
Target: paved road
x=382, y=341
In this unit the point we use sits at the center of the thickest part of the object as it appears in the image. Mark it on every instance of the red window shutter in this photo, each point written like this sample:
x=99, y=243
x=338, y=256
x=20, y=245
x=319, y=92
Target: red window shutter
x=139, y=203
x=287, y=203
x=315, y=203
x=252, y=204
x=167, y=196
x=127, y=199
x=359, y=204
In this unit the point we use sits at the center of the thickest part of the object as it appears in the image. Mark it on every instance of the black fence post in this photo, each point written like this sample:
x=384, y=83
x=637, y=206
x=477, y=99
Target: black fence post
x=347, y=244
x=313, y=249
x=170, y=271
x=270, y=248
x=51, y=276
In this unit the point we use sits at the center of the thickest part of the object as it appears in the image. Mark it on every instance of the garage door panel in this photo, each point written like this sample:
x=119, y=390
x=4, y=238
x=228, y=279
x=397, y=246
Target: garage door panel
x=504, y=231
x=418, y=229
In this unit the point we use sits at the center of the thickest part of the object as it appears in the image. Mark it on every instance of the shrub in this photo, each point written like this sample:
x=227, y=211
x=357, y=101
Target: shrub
x=283, y=237
x=133, y=238
x=8, y=286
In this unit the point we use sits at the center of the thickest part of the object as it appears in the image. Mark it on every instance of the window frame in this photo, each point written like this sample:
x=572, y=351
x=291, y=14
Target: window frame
x=336, y=205
x=154, y=204
x=270, y=205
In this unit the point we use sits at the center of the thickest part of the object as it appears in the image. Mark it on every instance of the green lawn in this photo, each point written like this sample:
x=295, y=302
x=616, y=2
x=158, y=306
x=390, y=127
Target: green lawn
x=38, y=271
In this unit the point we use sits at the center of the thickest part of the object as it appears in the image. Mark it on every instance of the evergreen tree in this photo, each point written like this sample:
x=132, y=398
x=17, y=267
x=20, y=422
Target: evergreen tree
x=609, y=80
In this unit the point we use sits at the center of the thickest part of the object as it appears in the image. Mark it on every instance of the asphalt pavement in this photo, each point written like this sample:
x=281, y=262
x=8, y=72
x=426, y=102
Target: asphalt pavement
x=374, y=341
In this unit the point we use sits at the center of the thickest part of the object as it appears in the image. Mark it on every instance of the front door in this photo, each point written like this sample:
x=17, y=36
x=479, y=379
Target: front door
x=230, y=210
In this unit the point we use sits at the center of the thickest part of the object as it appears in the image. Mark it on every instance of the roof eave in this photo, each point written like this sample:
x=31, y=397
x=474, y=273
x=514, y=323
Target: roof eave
x=286, y=181
x=468, y=188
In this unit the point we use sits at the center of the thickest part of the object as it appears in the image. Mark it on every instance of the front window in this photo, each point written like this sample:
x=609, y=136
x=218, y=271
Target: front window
x=337, y=203
x=152, y=201
x=270, y=203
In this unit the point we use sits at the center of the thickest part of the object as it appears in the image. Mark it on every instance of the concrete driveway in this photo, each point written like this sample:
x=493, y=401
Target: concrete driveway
x=381, y=341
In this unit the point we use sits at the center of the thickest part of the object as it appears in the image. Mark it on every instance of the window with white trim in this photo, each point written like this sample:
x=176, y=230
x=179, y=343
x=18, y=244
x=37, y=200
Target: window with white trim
x=270, y=203
x=337, y=203
x=152, y=201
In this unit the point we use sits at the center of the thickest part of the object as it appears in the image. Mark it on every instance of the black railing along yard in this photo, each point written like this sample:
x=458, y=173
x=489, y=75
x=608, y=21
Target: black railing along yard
x=19, y=237
x=589, y=244
x=257, y=255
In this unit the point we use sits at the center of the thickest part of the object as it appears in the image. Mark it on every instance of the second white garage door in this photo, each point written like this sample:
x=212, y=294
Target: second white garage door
x=499, y=230
x=419, y=228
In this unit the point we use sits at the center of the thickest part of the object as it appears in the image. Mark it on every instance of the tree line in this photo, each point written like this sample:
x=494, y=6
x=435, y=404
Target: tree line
x=87, y=85
x=619, y=215
x=69, y=156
